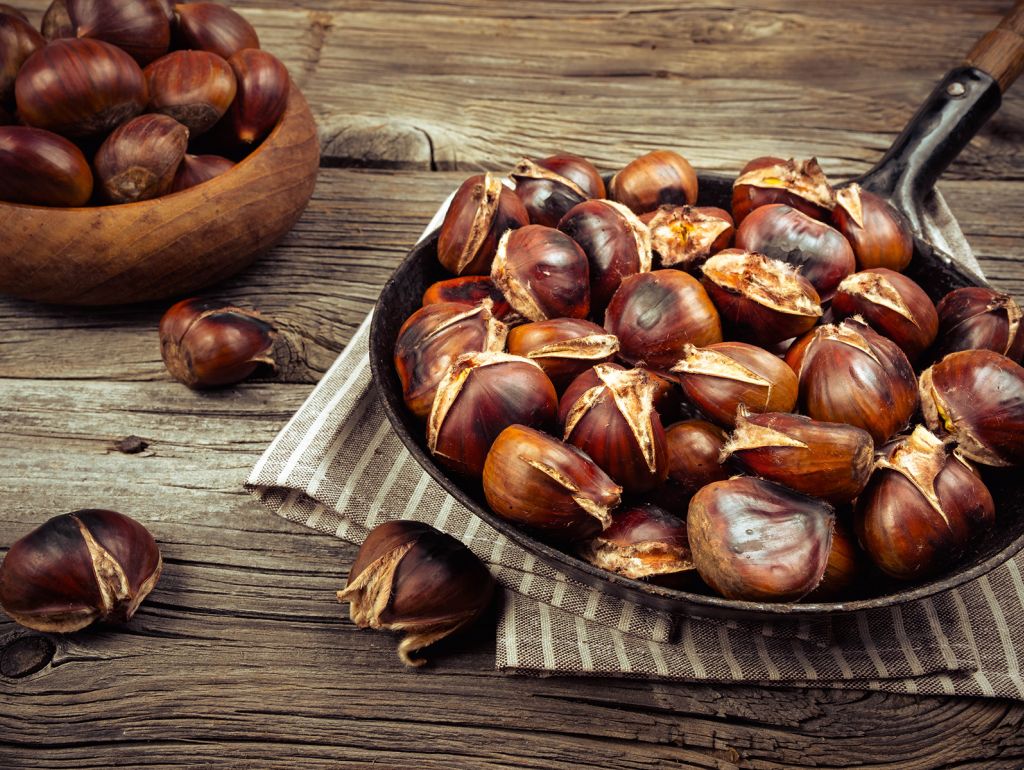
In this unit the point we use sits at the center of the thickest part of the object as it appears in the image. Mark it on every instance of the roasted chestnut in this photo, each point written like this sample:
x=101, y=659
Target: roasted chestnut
x=656, y=314
x=977, y=396
x=41, y=168
x=760, y=299
x=577, y=169
x=432, y=338
x=767, y=180
x=694, y=449
x=18, y=41
x=207, y=344
x=408, y=577
x=78, y=568
x=655, y=179
x=643, y=542
x=877, y=232
x=215, y=28
x=564, y=347
x=196, y=169
x=139, y=159
x=138, y=27
x=977, y=318
x=193, y=87
x=759, y=541
x=473, y=290
x=479, y=396
x=891, y=304
x=547, y=196
x=849, y=373
x=923, y=505
x=263, y=85
x=56, y=23
x=821, y=459
x=685, y=236
x=482, y=210
x=845, y=566
x=543, y=273
x=539, y=482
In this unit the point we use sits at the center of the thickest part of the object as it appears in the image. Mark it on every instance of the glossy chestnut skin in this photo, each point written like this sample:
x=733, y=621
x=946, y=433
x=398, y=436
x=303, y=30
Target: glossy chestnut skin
x=539, y=482
x=546, y=195
x=877, y=232
x=196, y=169
x=79, y=88
x=977, y=396
x=685, y=236
x=18, y=41
x=42, y=169
x=140, y=28
x=473, y=290
x=767, y=180
x=215, y=28
x=643, y=542
x=193, y=87
x=482, y=210
x=694, y=448
x=543, y=273
x=828, y=460
x=432, y=338
x=977, y=318
x=578, y=170
x=616, y=242
x=263, y=84
x=923, y=505
x=78, y=568
x=849, y=373
x=56, y=23
x=760, y=299
x=723, y=377
x=893, y=305
x=655, y=179
x=479, y=396
x=207, y=344
x=564, y=347
x=139, y=160
x=408, y=577
x=845, y=566
x=656, y=314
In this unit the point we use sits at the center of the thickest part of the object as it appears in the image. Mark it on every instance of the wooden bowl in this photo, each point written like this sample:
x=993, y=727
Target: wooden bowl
x=168, y=246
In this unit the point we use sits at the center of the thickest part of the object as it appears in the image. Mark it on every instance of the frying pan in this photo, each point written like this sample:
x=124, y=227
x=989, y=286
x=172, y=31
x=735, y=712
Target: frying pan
x=961, y=103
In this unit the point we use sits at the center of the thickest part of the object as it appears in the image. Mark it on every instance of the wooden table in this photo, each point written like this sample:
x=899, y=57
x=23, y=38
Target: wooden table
x=242, y=657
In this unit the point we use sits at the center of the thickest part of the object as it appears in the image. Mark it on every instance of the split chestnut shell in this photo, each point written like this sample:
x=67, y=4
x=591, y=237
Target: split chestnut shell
x=546, y=195
x=767, y=180
x=482, y=210
x=643, y=542
x=472, y=290
x=978, y=318
x=685, y=236
x=564, y=347
x=877, y=232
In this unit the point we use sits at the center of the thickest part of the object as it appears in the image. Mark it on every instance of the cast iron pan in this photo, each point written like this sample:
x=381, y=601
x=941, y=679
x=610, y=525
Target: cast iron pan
x=943, y=126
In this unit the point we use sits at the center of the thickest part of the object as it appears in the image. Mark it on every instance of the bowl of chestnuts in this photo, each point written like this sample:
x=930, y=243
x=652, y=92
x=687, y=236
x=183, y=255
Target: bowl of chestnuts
x=147, y=149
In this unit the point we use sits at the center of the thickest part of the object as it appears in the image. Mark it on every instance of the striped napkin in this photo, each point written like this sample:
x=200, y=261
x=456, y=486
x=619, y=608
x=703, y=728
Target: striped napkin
x=338, y=468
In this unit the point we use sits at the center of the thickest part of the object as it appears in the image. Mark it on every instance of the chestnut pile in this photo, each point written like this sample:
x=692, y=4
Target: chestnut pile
x=759, y=402
x=118, y=101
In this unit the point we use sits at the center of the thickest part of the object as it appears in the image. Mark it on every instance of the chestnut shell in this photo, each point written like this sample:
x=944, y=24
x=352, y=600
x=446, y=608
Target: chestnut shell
x=482, y=210
x=41, y=168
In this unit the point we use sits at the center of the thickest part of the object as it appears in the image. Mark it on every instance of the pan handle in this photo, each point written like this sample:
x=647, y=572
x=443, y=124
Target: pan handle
x=1000, y=53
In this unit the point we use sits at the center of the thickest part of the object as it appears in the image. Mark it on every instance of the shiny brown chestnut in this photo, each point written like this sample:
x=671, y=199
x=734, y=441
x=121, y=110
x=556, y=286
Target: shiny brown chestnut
x=546, y=195
x=140, y=28
x=473, y=290
x=721, y=378
x=481, y=212
x=893, y=305
x=543, y=273
x=877, y=232
x=18, y=41
x=207, y=344
x=694, y=449
x=578, y=170
x=756, y=540
x=685, y=236
x=215, y=28
x=479, y=396
x=767, y=180
x=978, y=318
x=139, y=159
x=977, y=396
x=845, y=566
x=923, y=505
x=196, y=169
x=409, y=577
x=79, y=568
x=79, y=88
x=760, y=299
x=821, y=459
x=56, y=23
x=654, y=179
x=849, y=373
x=263, y=84
x=656, y=314
x=193, y=87
x=551, y=487
x=564, y=347
x=643, y=542
x=42, y=169
x=432, y=338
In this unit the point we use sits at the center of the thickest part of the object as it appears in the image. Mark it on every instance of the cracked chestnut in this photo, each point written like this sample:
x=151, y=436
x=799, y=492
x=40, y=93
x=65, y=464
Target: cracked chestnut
x=472, y=290
x=18, y=41
x=877, y=232
x=482, y=210
x=546, y=195
x=977, y=318
x=578, y=170
x=42, y=169
x=564, y=347
x=543, y=273
x=56, y=23
x=193, y=87
x=643, y=542
x=767, y=180
x=140, y=158
x=262, y=83
x=196, y=169
x=685, y=236
x=215, y=28
x=140, y=28
x=654, y=179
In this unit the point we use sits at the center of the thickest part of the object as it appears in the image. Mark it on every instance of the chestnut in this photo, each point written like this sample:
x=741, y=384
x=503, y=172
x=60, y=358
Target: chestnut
x=78, y=568
x=140, y=28
x=609, y=413
x=193, y=87
x=207, y=344
x=479, y=396
x=760, y=299
x=10, y=10
x=472, y=290
x=978, y=318
x=551, y=487
x=656, y=314
x=79, y=88
x=694, y=449
x=482, y=210
x=408, y=577
x=616, y=243
x=685, y=236
x=546, y=195
x=767, y=180
x=578, y=170
x=654, y=179
x=196, y=169
x=432, y=338
x=922, y=506
x=56, y=22
x=756, y=540
x=977, y=396
x=543, y=273
x=564, y=347
x=18, y=41
x=139, y=160
x=643, y=542
x=849, y=373
x=845, y=566
x=263, y=85
x=821, y=459
x=42, y=168
x=215, y=28
x=722, y=377
x=877, y=232
x=893, y=305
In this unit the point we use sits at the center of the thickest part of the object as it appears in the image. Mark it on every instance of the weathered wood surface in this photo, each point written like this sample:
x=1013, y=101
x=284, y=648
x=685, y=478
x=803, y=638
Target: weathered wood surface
x=241, y=658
